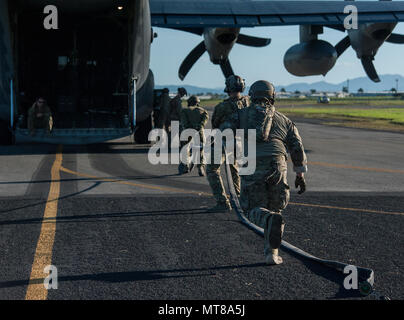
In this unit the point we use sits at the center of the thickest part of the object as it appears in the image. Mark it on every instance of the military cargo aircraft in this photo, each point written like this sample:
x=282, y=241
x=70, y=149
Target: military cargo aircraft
x=94, y=68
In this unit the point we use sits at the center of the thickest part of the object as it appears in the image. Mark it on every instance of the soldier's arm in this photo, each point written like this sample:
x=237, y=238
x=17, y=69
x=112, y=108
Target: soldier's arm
x=296, y=150
x=216, y=118
x=204, y=118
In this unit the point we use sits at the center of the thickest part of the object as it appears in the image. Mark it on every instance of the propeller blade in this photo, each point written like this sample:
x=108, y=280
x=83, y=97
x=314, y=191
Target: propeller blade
x=396, y=38
x=367, y=63
x=252, y=41
x=190, y=60
x=226, y=68
x=342, y=45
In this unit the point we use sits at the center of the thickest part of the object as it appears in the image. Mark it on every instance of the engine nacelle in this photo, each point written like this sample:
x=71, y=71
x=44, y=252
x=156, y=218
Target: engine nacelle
x=369, y=37
x=219, y=42
x=315, y=57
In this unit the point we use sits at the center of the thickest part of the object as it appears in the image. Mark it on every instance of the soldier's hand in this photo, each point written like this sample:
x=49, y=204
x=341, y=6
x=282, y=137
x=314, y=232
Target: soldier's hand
x=300, y=182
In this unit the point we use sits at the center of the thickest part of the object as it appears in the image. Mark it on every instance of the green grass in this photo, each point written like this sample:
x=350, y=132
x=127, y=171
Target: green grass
x=350, y=101
x=393, y=115
x=382, y=113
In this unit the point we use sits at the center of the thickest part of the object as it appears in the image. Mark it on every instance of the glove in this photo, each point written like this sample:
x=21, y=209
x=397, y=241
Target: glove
x=300, y=182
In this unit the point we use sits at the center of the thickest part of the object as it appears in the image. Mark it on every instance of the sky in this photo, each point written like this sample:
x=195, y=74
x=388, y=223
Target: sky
x=171, y=47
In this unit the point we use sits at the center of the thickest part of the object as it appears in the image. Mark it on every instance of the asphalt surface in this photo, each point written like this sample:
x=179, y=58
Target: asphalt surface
x=126, y=229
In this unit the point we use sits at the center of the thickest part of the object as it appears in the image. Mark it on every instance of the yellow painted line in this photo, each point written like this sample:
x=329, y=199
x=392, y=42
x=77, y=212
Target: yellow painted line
x=343, y=166
x=43, y=253
x=345, y=209
x=145, y=186
x=209, y=194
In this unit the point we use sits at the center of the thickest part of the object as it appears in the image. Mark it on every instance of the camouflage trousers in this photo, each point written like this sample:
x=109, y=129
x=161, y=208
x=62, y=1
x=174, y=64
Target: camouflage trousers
x=187, y=145
x=267, y=187
x=216, y=181
x=163, y=121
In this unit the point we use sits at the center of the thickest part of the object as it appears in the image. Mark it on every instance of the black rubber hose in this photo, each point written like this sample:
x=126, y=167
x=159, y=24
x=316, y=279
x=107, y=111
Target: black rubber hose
x=365, y=275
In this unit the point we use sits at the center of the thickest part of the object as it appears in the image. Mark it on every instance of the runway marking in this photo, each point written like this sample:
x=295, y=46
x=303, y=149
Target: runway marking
x=43, y=252
x=343, y=166
x=345, y=209
x=209, y=194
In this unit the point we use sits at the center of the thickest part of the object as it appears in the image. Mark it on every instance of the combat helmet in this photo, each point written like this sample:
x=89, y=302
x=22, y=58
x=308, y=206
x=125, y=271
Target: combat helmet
x=193, y=101
x=234, y=84
x=182, y=91
x=261, y=90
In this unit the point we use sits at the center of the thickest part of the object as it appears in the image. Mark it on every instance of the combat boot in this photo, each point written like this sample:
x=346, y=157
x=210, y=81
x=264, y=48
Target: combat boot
x=202, y=171
x=221, y=207
x=273, y=238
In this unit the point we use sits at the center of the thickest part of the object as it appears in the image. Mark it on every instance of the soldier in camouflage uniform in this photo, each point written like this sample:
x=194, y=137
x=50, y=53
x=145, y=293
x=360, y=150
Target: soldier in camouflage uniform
x=193, y=117
x=266, y=193
x=225, y=116
x=176, y=105
x=40, y=117
x=163, y=118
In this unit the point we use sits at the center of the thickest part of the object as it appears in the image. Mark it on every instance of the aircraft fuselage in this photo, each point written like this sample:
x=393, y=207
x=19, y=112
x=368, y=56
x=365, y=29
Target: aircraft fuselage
x=85, y=67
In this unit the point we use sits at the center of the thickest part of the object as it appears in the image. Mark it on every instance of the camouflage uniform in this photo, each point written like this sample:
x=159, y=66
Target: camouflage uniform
x=225, y=116
x=266, y=193
x=175, y=108
x=43, y=122
x=276, y=134
x=194, y=117
x=163, y=121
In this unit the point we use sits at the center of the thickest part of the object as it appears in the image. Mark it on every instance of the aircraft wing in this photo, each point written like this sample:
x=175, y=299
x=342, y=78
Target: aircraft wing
x=253, y=13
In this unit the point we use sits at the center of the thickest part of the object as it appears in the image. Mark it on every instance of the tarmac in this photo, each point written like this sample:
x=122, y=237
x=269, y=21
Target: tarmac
x=117, y=227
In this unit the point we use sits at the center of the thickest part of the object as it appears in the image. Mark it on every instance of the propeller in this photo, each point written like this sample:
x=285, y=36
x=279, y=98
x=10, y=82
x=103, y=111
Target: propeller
x=200, y=49
x=396, y=38
x=190, y=60
x=226, y=68
x=251, y=41
x=343, y=45
x=367, y=63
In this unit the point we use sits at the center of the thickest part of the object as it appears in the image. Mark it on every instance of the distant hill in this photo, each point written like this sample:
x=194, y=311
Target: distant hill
x=388, y=81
